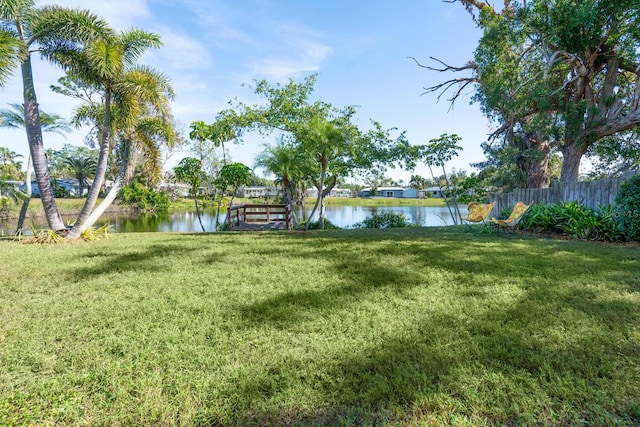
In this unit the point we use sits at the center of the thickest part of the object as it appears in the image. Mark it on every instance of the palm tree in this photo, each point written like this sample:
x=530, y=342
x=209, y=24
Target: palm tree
x=82, y=168
x=325, y=141
x=48, y=30
x=10, y=168
x=132, y=96
x=109, y=65
x=13, y=118
x=144, y=139
x=10, y=191
x=286, y=162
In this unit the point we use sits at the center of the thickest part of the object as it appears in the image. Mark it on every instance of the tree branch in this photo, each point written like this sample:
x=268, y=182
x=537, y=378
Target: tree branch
x=444, y=87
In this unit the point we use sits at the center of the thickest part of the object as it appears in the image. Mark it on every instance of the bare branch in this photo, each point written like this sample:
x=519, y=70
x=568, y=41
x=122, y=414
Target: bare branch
x=444, y=87
x=468, y=66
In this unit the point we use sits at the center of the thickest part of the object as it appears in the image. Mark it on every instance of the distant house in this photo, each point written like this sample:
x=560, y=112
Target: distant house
x=396, y=192
x=335, y=192
x=175, y=188
x=340, y=192
x=263, y=191
x=433, y=192
x=70, y=185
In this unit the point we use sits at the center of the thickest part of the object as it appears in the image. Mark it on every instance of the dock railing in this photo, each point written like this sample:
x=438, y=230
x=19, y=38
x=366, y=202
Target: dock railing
x=241, y=214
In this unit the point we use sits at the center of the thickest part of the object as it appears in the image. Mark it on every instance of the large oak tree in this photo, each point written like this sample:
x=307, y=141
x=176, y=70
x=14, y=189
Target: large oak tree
x=555, y=74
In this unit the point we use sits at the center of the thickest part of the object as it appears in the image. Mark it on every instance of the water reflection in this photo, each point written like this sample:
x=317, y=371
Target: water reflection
x=341, y=216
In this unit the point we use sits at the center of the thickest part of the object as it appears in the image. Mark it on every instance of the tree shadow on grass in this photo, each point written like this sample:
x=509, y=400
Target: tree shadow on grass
x=505, y=367
x=562, y=353
x=147, y=259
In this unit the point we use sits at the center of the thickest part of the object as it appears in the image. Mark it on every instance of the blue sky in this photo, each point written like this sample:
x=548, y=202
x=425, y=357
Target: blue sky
x=359, y=49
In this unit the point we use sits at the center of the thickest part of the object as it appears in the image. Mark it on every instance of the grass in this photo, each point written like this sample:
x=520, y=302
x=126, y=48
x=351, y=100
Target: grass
x=430, y=326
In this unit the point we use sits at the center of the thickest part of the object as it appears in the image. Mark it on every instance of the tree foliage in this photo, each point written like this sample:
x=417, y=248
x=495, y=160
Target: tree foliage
x=628, y=208
x=289, y=164
x=324, y=135
x=555, y=75
x=48, y=31
x=189, y=171
x=232, y=177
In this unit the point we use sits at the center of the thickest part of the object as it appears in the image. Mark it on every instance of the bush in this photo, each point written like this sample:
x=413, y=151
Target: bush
x=145, y=199
x=573, y=219
x=627, y=210
x=384, y=220
x=315, y=225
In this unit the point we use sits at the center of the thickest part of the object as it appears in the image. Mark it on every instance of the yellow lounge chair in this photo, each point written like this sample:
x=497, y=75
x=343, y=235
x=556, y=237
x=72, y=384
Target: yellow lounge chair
x=478, y=212
x=512, y=221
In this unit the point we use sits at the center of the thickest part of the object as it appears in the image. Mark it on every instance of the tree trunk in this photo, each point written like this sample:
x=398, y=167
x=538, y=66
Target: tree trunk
x=572, y=153
x=25, y=203
x=102, y=207
x=313, y=211
x=109, y=198
x=320, y=198
x=535, y=160
x=195, y=199
x=36, y=148
x=537, y=172
x=101, y=169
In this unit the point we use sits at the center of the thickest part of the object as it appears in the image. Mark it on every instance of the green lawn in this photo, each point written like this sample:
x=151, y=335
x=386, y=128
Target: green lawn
x=431, y=326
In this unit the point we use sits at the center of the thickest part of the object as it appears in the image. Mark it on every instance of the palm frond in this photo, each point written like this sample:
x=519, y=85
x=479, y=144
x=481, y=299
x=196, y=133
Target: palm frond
x=14, y=118
x=10, y=50
x=135, y=42
x=55, y=27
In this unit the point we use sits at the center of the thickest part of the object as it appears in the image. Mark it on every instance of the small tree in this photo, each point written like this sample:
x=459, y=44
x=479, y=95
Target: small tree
x=232, y=177
x=189, y=171
x=436, y=154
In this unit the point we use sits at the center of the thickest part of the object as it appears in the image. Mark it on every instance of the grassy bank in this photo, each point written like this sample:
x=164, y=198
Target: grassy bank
x=427, y=326
x=380, y=201
x=67, y=207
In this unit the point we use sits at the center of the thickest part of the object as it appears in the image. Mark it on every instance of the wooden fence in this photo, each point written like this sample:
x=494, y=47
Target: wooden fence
x=590, y=194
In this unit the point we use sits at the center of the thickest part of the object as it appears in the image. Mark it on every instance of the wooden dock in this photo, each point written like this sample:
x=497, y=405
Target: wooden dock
x=259, y=217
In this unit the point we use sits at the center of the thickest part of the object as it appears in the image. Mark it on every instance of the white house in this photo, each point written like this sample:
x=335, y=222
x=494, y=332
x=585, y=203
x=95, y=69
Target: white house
x=70, y=185
x=335, y=192
x=397, y=192
x=252, y=192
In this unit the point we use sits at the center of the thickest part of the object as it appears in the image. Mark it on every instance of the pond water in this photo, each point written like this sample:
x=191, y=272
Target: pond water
x=341, y=216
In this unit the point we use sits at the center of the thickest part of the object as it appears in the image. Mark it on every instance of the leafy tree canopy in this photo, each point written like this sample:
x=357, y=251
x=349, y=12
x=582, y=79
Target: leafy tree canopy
x=555, y=75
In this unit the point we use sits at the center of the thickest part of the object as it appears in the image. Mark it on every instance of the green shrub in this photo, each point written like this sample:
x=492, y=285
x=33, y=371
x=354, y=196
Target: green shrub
x=573, y=219
x=384, y=220
x=145, y=199
x=627, y=210
x=315, y=225
x=58, y=191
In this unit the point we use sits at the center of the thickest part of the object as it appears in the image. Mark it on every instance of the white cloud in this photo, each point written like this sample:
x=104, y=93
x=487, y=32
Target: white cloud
x=282, y=69
x=295, y=50
x=179, y=51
